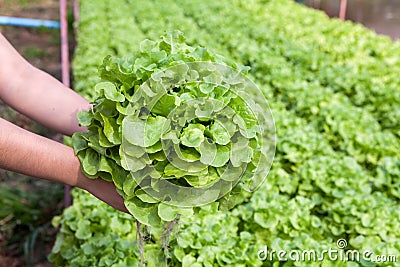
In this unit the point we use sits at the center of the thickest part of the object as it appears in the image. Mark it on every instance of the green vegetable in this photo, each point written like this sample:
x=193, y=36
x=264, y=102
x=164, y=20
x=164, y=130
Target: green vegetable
x=188, y=129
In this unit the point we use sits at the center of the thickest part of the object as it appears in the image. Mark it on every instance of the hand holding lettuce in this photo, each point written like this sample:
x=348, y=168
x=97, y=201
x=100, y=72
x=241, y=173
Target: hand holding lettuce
x=176, y=127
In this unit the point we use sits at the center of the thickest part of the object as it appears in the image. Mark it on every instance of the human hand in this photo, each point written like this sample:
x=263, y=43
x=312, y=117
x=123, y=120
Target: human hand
x=103, y=190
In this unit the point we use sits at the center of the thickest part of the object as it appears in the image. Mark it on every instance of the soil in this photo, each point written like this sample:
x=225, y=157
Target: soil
x=41, y=47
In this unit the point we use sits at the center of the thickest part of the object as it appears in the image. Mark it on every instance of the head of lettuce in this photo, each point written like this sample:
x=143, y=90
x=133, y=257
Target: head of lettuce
x=176, y=127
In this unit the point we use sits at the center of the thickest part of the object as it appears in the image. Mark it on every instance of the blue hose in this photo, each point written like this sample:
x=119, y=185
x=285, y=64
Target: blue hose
x=12, y=21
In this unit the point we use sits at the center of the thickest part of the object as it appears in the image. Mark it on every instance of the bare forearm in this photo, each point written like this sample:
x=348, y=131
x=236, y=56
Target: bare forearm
x=27, y=153
x=47, y=101
x=36, y=94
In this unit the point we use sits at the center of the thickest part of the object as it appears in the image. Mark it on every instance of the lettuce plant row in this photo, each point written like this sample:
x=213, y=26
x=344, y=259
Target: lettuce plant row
x=362, y=66
x=336, y=172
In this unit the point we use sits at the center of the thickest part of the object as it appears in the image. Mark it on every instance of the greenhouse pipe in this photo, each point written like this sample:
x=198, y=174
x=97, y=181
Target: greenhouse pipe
x=343, y=7
x=26, y=22
x=64, y=43
x=65, y=70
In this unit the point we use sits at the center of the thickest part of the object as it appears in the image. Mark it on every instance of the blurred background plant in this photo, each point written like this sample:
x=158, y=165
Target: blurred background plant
x=27, y=206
